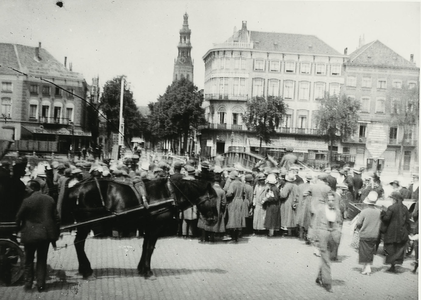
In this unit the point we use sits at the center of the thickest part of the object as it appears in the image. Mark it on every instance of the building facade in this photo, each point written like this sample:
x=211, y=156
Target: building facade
x=40, y=105
x=382, y=80
x=298, y=68
x=183, y=64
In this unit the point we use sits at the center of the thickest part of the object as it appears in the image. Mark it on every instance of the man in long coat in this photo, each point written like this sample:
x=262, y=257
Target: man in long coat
x=289, y=202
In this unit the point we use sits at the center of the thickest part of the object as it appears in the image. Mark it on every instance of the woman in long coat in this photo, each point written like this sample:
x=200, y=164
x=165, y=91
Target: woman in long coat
x=272, y=204
x=396, y=228
x=259, y=213
x=289, y=192
x=303, y=209
x=236, y=217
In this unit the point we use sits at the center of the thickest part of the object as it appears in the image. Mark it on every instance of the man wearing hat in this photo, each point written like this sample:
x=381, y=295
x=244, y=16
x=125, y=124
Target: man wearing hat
x=174, y=177
x=289, y=202
x=357, y=184
x=295, y=169
x=189, y=215
x=303, y=209
x=76, y=176
x=343, y=197
x=236, y=216
x=396, y=228
x=369, y=231
x=206, y=174
x=259, y=214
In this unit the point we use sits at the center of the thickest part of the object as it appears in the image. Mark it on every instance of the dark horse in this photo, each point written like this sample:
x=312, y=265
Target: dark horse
x=84, y=202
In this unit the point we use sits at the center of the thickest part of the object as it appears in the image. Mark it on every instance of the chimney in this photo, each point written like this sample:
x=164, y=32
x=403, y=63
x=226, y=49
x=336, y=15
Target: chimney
x=70, y=67
x=346, y=51
x=244, y=25
x=411, y=58
x=37, y=51
x=65, y=61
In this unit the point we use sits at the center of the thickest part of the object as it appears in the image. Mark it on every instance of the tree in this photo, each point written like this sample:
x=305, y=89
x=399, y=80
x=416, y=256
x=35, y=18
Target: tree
x=405, y=115
x=264, y=115
x=338, y=118
x=110, y=106
x=177, y=112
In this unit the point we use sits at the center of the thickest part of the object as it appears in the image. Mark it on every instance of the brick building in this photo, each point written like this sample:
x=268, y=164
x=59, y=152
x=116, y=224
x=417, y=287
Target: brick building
x=298, y=68
x=35, y=112
x=382, y=80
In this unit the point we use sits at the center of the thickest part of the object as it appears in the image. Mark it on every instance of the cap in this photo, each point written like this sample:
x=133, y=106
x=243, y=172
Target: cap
x=158, y=170
x=233, y=175
x=204, y=164
x=395, y=182
x=248, y=178
x=261, y=176
x=190, y=170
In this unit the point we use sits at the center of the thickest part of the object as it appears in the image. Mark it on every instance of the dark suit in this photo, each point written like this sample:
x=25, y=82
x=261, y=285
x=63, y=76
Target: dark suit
x=357, y=183
x=39, y=222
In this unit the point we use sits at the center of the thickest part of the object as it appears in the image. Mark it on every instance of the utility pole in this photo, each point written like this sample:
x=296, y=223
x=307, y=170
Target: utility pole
x=121, y=119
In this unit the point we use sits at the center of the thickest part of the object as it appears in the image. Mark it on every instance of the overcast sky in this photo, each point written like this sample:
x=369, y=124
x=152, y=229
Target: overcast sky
x=138, y=38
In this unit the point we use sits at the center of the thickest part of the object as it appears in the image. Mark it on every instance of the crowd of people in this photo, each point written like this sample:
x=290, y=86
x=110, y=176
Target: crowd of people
x=273, y=199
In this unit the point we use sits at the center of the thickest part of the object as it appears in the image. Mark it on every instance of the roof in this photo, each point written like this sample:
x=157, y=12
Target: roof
x=378, y=54
x=281, y=42
x=24, y=59
x=292, y=43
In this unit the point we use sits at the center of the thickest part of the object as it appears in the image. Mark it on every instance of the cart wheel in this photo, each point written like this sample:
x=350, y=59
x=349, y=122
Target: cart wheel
x=12, y=261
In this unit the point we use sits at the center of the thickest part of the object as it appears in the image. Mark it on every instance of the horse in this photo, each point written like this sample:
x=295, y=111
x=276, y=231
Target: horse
x=98, y=199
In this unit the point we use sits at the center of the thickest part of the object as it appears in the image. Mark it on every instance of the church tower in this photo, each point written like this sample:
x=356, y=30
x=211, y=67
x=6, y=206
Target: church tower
x=183, y=64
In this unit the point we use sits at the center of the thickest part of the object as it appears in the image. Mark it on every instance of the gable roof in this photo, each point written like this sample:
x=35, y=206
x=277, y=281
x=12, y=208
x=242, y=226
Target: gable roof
x=379, y=55
x=24, y=59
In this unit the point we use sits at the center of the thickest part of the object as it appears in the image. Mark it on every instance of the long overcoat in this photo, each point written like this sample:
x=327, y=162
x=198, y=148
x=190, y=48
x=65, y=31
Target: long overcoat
x=259, y=213
x=236, y=218
x=221, y=203
x=397, y=224
x=289, y=192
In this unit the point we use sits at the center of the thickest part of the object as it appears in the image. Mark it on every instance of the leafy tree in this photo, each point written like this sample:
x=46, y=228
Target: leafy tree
x=405, y=115
x=110, y=106
x=338, y=118
x=264, y=115
x=177, y=112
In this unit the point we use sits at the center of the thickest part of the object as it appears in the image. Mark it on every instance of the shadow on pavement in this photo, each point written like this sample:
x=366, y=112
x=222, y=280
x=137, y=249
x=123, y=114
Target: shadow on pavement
x=172, y=272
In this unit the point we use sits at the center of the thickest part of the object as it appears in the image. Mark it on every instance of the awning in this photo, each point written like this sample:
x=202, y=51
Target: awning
x=60, y=131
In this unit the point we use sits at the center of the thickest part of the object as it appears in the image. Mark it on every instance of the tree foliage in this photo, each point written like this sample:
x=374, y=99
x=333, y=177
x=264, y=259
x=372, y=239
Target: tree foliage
x=263, y=116
x=338, y=117
x=177, y=112
x=110, y=106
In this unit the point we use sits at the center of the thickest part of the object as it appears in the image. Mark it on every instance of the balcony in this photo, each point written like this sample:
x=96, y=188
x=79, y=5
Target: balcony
x=223, y=126
x=295, y=130
x=52, y=120
x=226, y=97
x=410, y=142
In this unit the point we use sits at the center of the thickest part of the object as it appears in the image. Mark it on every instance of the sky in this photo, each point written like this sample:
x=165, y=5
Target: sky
x=138, y=38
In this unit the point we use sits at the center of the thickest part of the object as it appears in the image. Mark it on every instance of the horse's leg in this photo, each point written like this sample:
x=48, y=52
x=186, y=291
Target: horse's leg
x=144, y=266
x=84, y=265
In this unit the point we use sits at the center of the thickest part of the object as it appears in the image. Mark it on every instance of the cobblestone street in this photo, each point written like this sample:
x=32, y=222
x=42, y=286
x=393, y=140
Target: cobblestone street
x=255, y=268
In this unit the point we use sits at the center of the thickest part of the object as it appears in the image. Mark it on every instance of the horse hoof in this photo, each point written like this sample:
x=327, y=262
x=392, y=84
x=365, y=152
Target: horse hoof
x=88, y=275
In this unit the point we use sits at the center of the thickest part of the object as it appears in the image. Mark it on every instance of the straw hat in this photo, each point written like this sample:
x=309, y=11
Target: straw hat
x=271, y=179
x=371, y=198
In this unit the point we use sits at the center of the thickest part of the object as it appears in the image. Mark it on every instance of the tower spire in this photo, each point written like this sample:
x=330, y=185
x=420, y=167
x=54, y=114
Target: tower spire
x=183, y=64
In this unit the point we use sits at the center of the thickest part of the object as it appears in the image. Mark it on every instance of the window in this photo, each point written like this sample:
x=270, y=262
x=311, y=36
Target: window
x=335, y=70
x=227, y=63
x=362, y=131
x=225, y=89
x=57, y=92
x=334, y=89
x=33, y=89
x=408, y=134
x=257, y=87
x=286, y=122
x=33, y=111
x=351, y=81
x=305, y=68
x=6, y=87
x=365, y=104
x=394, y=107
x=221, y=62
x=302, y=121
x=393, y=135
x=289, y=67
x=237, y=63
x=259, y=65
x=397, y=84
x=69, y=114
x=46, y=90
x=45, y=111
x=273, y=88
x=236, y=86
x=381, y=84
x=57, y=114
x=380, y=105
x=221, y=117
x=6, y=108
x=366, y=82
x=319, y=90
x=411, y=85
x=346, y=150
x=320, y=69
x=235, y=118
x=275, y=66
x=288, y=89
x=242, y=86
x=304, y=91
